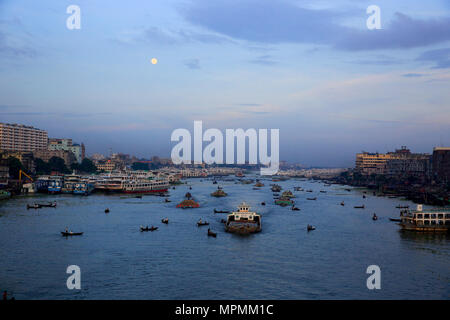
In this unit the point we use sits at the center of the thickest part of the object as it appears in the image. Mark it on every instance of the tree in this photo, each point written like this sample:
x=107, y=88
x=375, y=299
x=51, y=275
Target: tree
x=139, y=166
x=15, y=166
x=58, y=164
x=42, y=167
x=87, y=166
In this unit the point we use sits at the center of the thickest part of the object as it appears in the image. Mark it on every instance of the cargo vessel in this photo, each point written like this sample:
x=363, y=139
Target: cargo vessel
x=243, y=221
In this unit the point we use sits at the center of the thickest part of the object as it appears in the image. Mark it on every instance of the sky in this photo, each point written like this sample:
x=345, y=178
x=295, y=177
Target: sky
x=309, y=68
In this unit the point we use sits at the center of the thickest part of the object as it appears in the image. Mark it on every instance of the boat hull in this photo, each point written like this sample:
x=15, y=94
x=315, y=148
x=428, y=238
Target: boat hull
x=242, y=228
x=427, y=229
x=146, y=191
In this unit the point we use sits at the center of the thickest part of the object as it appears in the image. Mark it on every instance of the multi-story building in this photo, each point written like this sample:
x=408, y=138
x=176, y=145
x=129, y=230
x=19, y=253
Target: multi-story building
x=46, y=155
x=18, y=137
x=441, y=164
x=106, y=165
x=371, y=163
x=400, y=162
x=67, y=145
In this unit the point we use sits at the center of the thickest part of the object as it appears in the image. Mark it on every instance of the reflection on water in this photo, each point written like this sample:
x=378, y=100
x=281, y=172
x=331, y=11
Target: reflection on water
x=179, y=261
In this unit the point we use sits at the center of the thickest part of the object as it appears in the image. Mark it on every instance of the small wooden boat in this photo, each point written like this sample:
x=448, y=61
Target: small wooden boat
x=221, y=211
x=309, y=191
x=211, y=234
x=263, y=203
x=138, y=197
x=364, y=196
x=152, y=228
x=310, y=228
x=315, y=198
x=348, y=190
x=295, y=208
x=374, y=217
x=166, y=200
x=48, y=205
x=223, y=221
x=70, y=233
x=214, y=182
x=342, y=203
x=202, y=223
x=165, y=220
x=34, y=206
x=323, y=191
x=395, y=220
x=359, y=207
x=106, y=210
x=402, y=207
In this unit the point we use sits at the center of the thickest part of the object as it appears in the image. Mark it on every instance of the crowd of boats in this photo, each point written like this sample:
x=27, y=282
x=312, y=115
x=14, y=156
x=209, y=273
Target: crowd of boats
x=242, y=221
x=124, y=182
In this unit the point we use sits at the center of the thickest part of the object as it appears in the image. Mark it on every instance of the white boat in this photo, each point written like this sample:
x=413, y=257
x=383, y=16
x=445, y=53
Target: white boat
x=243, y=221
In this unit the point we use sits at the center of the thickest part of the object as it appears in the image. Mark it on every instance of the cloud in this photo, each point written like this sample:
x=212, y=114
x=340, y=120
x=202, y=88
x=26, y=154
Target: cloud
x=403, y=32
x=265, y=60
x=265, y=21
x=412, y=75
x=192, y=63
x=11, y=48
x=274, y=22
x=379, y=60
x=167, y=36
x=440, y=58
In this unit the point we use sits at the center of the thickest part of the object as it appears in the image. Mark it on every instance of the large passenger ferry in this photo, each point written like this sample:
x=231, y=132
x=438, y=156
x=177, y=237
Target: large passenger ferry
x=127, y=184
x=145, y=186
x=243, y=221
x=434, y=220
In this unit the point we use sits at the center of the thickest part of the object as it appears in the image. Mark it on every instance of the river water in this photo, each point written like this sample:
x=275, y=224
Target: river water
x=179, y=260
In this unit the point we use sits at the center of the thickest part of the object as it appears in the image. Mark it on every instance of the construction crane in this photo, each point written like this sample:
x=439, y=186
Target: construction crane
x=20, y=176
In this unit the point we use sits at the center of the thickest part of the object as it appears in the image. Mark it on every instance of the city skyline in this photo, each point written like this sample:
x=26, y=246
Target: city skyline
x=309, y=68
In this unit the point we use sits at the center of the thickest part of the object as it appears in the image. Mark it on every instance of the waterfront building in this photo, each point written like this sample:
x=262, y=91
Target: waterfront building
x=400, y=162
x=46, y=155
x=441, y=164
x=67, y=145
x=106, y=165
x=4, y=173
x=26, y=158
x=97, y=157
x=21, y=138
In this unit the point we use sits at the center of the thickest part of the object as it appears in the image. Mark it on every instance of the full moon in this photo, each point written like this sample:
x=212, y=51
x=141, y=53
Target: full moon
x=154, y=61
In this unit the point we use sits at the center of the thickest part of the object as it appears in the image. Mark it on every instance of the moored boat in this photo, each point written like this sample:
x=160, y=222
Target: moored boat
x=434, y=220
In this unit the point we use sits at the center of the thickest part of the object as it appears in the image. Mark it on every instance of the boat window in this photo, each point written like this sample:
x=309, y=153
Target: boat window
x=426, y=216
x=426, y=222
x=433, y=221
x=441, y=222
x=447, y=215
x=433, y=216
x=419, y=216
x=440, y=216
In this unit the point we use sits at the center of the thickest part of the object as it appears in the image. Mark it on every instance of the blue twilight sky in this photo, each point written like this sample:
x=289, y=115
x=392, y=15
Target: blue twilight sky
x=310, y=68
